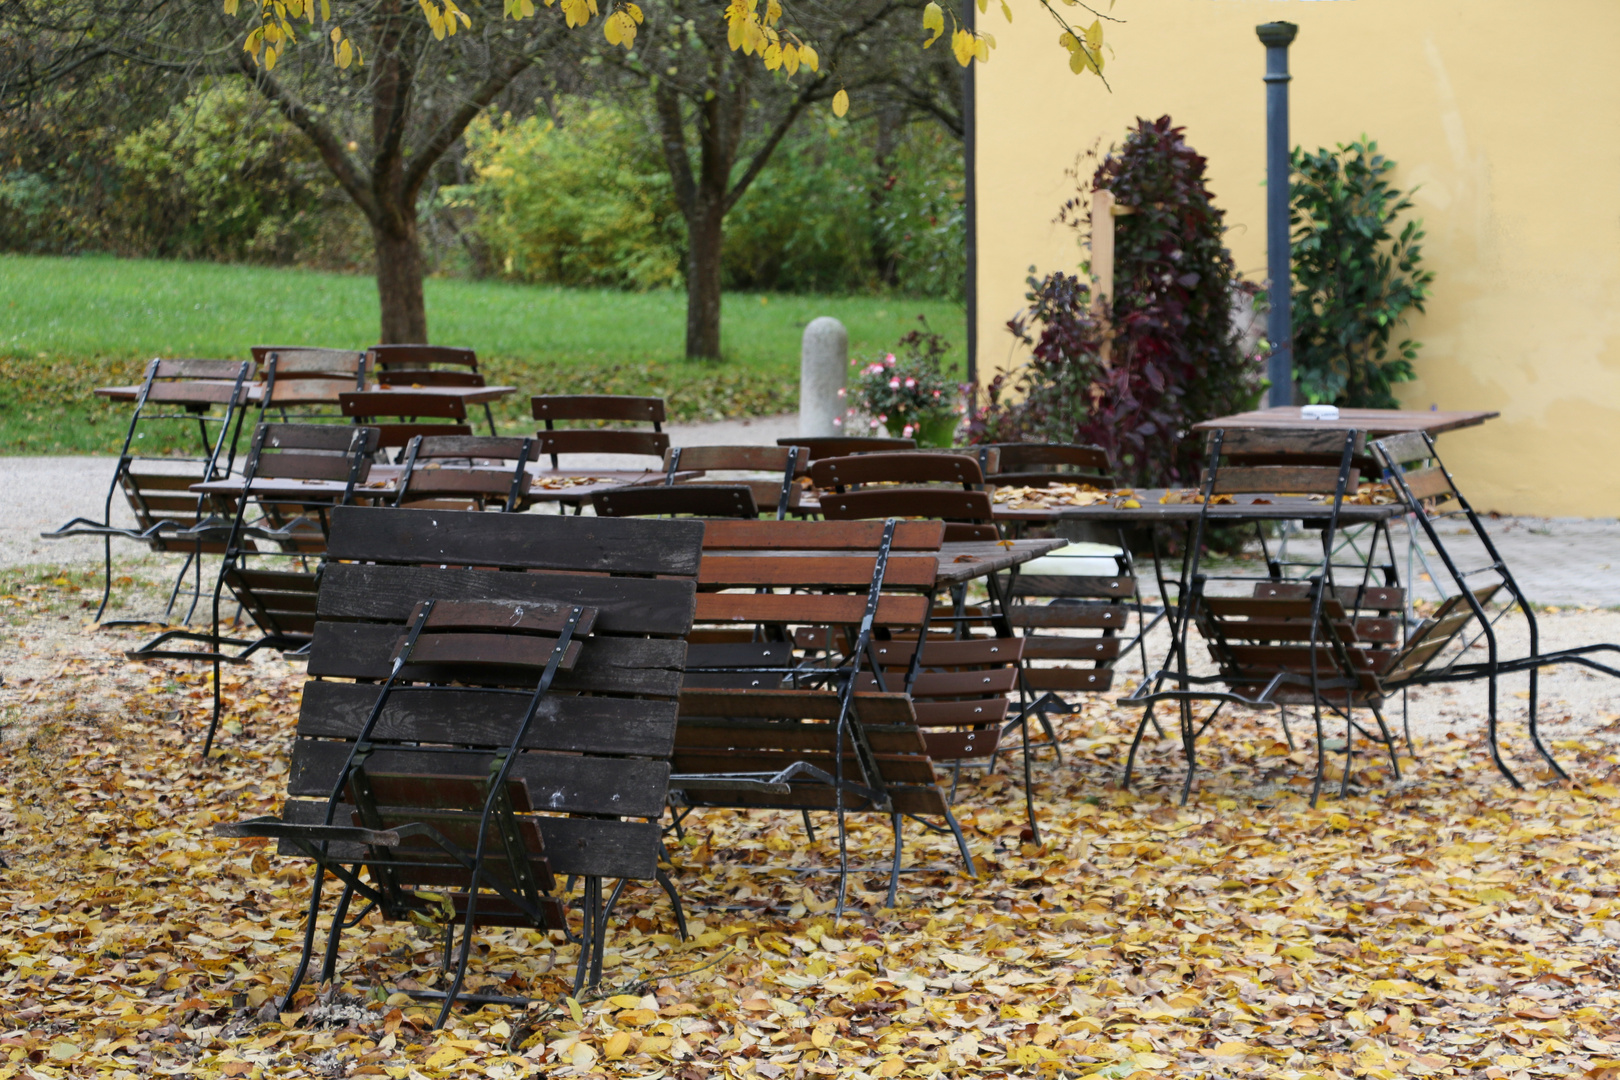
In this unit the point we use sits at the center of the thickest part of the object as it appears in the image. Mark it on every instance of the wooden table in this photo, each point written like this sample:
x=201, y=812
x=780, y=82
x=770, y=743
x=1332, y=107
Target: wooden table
x=1375, y=422
x=188, y=392
x=383, y=479
x=959, y=562
x=1242, y=508
x=471, y=395
x=611, y=479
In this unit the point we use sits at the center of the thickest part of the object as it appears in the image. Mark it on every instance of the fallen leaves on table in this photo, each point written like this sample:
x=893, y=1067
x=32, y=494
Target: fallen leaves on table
x=1040, y=498
x=1178, y=496
x=562, y=483
x=1440, y=925
x=1373, y=494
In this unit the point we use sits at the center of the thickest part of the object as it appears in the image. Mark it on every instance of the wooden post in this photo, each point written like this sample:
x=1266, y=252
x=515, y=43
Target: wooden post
x=1103, y=212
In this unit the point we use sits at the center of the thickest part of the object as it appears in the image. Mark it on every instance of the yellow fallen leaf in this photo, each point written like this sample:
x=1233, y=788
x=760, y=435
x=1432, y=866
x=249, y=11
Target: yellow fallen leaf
x=617, y=1046
x=444, y=1056
x=964, y=962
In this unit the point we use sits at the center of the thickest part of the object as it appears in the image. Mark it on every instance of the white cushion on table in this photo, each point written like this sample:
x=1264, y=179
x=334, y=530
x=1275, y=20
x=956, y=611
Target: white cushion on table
x=1078, y=559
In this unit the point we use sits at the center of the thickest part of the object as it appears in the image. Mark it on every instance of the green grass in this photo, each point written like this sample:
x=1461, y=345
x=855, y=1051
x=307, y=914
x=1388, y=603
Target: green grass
x=68, y=324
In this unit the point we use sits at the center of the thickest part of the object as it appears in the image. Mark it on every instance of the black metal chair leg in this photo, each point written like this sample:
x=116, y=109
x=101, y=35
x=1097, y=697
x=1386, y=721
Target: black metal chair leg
x=894, y=871
x=843, y=861
x=329, y=961
x=310, y=917
x=1029, y=785
x=1535, y=729
x=1321, y=751
x=961, y=844
x=600, y=944
x=1389, y=742
x=1349, y=753
x=1490, y=731
x=675, y=901
x=179, y=580
x=106, y=578
x=587, y=906
x=1282, y=714
x=1189, y=747
x=1141, y=729
x=810, y=830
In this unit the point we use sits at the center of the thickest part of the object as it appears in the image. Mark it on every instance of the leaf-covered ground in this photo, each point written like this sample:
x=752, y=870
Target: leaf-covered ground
x=1440, y=925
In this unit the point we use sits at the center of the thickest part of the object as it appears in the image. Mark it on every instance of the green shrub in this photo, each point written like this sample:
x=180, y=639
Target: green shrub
x=584, y=203
x=922, y=219
x=1354, y=280
x=223, y=176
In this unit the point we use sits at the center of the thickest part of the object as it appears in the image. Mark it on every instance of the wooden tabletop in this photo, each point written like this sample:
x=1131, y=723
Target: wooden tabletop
x=958, y=562
x=608, y=480
x=206, y=390
x=383, y=478
x=1242, y=508
x=1375, y=422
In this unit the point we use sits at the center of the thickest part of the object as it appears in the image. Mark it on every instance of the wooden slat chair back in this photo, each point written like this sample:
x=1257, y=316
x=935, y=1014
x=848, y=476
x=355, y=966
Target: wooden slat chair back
x=596, y=409
x=206, y=396
x=826, y=446
x=681, y=500
x=399, y=418
x=1044, y=464
x=273, y=546
x=428, y=713
x=785, y=464
x=1431, y=497
x=1074, y=616
x=307, y=384
x=427, y=366
x=855, y=487
x=761, y=728
x=1254, y=671
x=467, y=472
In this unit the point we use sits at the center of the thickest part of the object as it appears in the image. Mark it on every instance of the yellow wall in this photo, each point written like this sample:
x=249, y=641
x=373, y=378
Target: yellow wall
x=1507, y=114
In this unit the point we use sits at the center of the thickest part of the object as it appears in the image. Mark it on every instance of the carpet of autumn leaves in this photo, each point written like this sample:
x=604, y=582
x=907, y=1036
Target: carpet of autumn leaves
x=1440, y=925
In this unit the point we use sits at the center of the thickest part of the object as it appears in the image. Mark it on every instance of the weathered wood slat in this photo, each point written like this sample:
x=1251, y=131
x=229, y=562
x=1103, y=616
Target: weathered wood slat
x=516, y=541
x=622, y=407
x=570, y=724
x=787, y=608
x=941, y=503
x=1069, y=616
x=820, y=536
x=1072, y=648
x=707, y=734
x=1300, y=440
x=951, y=653
x=1428, y=483
x=1113, y=586
x=933, y=714
x=896, y=468
x=1281, y=479
x=1071, y=679
x=815, y=571
x=905, y=769
x=608, y=665
x=922, y=801
x=1406, y=447
x=794, y=705
x=391, y=593
x=573, y=845
x=561, y=783
x=603, y=441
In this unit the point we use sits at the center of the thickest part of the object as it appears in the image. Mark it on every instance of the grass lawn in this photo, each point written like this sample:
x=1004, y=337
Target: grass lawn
x=68, y=324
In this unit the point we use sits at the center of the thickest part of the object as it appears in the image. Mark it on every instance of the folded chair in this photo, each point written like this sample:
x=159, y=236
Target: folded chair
x=467, y=472
x=762, y=727
x=427, y=365
x=596, y=410
x=1426, y=487
x=287, y=532
x=1256, y=640
x=946, y=487
x=784, y=464
x=399, y=418
x=489, y=714
x=210, y=394
x=825, y=446
x=301, y=385
x=681, y=500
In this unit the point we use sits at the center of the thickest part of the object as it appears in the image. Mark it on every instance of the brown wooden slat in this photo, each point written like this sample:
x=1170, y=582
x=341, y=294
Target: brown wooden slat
x=392, y=403
x=490, y=483
x=896, y=468
x=296, y=466
x=163, y=481
x=895, y=769
x=518, y=541
x=610, y=665
x=710, y=733
x=785, y=608
x=934, y=714
x=950, y=683
x=815, y=571
x=506, y=616
x=558, y=783
x=190, y=368
x=940, y=503
x=415, y=377
x=987, y=650
x=1428, y=483
x=1406, y=447
x=1299, y=440
x=503, y=650
x=963, y=745
x=625, y=407
x=564, y=723
x=1062, y=679
x=697, y=500
x=481, y=447
x=825, y=446
x=413, y=356
x=1227, y=607
x=736, y=458
x=820, y=536
x=198, y=393
x=921, y=801
x=393, y=436
x=331, y=438
x=794, y=705
x=573, y=845
x=1069, y=616
x=1112, y=586
x=1374, y=598
x=1016, y=457
x=1072, y=648
x=603, y=441
x=1281, y=479
x=391, y=593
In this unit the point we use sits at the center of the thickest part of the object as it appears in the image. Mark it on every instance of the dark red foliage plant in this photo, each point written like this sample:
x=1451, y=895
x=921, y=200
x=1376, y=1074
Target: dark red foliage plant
x=1176, y=356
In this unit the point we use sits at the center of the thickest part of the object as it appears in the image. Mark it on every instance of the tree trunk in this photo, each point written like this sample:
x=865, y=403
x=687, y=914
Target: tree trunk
x=705, y=236
x=399, y=284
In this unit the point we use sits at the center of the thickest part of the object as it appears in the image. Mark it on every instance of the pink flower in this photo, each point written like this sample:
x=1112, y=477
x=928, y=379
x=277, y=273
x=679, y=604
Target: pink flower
x=909, y=383
x=936, y=393
x=841, y=392
x=894, y=384
x=905, y=432
x=874, y=423
x=882, y=419
x=888, y=361
x=838, y=421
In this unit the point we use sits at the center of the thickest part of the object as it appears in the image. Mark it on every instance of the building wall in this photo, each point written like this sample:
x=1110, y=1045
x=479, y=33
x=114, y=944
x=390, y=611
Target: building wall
x=1506, y=114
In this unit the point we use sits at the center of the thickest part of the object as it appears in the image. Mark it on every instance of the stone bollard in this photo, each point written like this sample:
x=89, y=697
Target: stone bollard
x=823, y=363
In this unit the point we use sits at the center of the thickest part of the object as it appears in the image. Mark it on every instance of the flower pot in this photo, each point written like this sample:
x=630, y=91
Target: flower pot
x=937, y=430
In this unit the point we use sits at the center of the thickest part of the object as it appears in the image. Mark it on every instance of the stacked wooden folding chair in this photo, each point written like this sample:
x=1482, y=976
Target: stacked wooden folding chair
x=467, y=472
x=744, y=497
x=1422, y=482
x=427, y=365
x=175, y=396
x=1270, y=650
x=401, y=417
x=761, y=727
x=278, y=528
x=597, y=410
x=489, y=714
x=305, y=385
x=825, y=446
x=945, y=487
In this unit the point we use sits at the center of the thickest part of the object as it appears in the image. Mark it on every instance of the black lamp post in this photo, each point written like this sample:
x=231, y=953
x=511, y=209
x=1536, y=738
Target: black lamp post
x=1276, y=36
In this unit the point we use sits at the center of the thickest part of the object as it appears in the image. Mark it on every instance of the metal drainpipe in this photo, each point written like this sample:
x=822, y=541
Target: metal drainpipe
x=1276, y=36
x=970, y=215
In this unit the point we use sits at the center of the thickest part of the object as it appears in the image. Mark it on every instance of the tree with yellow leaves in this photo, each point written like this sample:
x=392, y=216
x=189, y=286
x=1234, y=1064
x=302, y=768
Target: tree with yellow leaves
x=384, y=89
